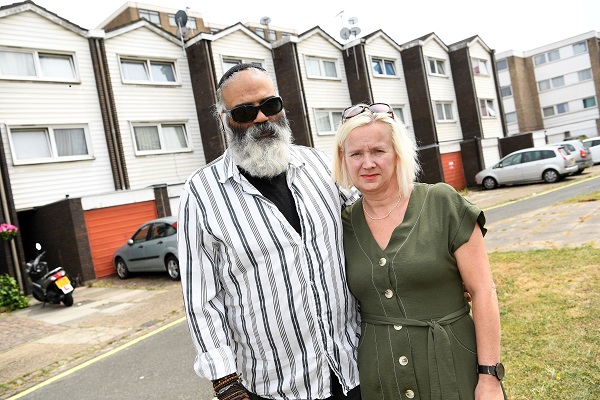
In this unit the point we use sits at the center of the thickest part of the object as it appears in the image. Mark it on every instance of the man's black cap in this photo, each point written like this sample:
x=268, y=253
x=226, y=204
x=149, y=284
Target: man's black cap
x=238, y=68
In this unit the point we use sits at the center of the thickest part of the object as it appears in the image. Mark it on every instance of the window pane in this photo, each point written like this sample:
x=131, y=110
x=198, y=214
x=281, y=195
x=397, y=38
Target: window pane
x=337, y=118
x=399, y=113
x=558, y=81
x=70, y=142
x=439, y=109
x=260, y=32
x=585, y=74
x=377, y=67
x=540, y=59
x=589, y=102
x=56, y=66
x=502, y=64
x=511, y=117
x=323, y=122
x=172, y=20
x=448, y=111
x=548, y=111
x=506, y=91
x=174, y=137
x=147, y=138
x=432, y=68
x=390, y=69
x=553, y=55
x=562, y=108
x=191, y=23
x=312, y=67
x=579, y=48
x=162, y=72
x=17, y=64
x=544, y=85
x=440, y=68
x=32, y=143
x=134, y=70
x=330, y=70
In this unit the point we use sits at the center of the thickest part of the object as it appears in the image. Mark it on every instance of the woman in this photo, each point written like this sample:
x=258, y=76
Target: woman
x=409, y=248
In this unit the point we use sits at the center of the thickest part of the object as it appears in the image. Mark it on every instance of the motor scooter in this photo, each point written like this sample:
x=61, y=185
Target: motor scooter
x=49, y=286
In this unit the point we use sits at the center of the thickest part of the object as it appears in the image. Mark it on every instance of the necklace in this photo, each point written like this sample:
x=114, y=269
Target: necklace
x=386, y=215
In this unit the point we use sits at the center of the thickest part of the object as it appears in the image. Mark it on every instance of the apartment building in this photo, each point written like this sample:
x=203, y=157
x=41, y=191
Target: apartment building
x=552, y=92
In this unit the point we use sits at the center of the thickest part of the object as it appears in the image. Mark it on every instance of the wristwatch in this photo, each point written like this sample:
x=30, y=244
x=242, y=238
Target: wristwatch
x=496, y=370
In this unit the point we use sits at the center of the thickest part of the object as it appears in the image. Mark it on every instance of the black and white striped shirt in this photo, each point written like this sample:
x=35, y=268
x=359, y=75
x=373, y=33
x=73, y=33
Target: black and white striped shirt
x=262, y=300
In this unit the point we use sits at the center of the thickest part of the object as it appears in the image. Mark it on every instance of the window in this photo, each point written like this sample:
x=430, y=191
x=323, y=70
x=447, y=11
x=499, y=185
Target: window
x=562, y=108
x=321, y=68
x=160, y=138
x=37, y=65
x=383, y=67
x=479, y=66
x=272, y=36
x=327, y=121
x=511, y=117
x=260, y=32
x=585, y=75
x=552, y=83
x=487, y=108
x=230, y=62
x=148, y=71
x=399, y=113
x=191, y=23
x=589, y=102
x=49, y=144
x=444, y=111
x=546, y=57
x=554, y=110
x=437, y=67
x=151, y=16
x=506, y=91
x=580, y=47
x=502, y=64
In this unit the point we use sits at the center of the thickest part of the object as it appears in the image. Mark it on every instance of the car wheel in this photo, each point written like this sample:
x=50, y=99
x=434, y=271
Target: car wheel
x=68, y=299
x=550, y=176
x=172, y=265
x=489, y=183
x=122, y=270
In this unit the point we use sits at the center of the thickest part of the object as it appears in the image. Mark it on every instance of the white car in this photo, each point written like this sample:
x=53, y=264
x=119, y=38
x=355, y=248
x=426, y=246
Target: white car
x=546, y=163
x=594, y=145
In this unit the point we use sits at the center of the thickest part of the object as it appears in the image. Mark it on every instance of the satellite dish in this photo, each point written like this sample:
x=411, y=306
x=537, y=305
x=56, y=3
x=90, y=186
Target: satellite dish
x=355, y=31
x=352, y=20
x=181, y=18
x=345, y=33
x=265, y=21
x=183, y=31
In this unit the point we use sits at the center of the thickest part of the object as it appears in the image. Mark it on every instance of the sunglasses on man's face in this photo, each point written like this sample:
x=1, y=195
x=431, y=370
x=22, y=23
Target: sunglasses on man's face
x=375, y=108
x=246, y=113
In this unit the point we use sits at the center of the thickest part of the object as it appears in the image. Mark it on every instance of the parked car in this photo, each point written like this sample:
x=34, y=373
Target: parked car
x=594, y=145
x=153, y=247
x=583, y=155
x=546, y=163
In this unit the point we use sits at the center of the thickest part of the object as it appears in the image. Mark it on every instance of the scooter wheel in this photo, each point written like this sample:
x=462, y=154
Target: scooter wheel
x=68, y=300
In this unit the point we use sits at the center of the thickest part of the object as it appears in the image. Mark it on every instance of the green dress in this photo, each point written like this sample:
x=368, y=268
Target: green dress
x=417, y=336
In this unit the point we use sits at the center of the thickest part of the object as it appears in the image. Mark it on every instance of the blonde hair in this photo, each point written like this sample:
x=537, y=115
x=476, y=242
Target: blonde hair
x=407, y=166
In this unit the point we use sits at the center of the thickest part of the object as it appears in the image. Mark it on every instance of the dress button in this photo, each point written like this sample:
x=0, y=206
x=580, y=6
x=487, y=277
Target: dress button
x=403, y=360
x=397, y=327
x=409, y=393
x=382, y=262
x=388, y=293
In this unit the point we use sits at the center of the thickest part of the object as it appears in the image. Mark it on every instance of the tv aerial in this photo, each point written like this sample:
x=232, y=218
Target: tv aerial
x=181, y=19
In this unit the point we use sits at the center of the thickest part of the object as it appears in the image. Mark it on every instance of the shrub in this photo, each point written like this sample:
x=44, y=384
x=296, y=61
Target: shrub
x=11, y=296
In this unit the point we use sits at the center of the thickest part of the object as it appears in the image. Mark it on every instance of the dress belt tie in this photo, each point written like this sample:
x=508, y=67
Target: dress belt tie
x=439, y=352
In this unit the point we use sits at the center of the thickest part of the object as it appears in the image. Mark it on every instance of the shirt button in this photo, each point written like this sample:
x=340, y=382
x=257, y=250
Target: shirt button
x=409, y=393
x=382, y=262
x=403, y=360
x=388, y=293
x=397, y=327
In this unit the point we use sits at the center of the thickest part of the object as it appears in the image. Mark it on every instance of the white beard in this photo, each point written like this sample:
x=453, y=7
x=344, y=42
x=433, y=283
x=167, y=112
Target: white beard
x=261, y=157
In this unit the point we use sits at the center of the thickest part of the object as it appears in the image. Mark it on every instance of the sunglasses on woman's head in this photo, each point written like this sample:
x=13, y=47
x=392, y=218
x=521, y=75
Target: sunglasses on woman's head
x=246, y=113
x=375, y=108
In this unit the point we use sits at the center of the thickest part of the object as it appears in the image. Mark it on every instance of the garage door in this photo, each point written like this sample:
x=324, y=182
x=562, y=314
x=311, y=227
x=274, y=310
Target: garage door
x=110, y=227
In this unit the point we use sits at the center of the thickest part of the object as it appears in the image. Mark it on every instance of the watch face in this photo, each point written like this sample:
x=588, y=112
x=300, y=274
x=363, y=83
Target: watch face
x=500, y=370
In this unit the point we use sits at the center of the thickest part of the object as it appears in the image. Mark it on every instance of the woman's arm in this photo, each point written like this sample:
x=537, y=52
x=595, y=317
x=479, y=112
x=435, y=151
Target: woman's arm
x=475, y=270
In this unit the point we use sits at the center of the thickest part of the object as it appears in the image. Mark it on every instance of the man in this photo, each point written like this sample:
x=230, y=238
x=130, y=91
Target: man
x=261, y=257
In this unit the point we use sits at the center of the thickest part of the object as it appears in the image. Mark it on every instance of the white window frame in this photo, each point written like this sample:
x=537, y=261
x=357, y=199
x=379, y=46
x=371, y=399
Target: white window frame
x=584, y=74
x=511, y=117
x=480, y=67
x=148, y=63
x=383, y=63
x=159, y=125
x=580, y=48
x=38, y=66
x=150, y=16
x=434, y=66
x=487, y=108
x=51, y=143
x=447, y=111
x=334, y=117
x=321, y=62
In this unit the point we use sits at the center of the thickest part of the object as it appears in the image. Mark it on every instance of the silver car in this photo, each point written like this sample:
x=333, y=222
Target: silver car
x=153, y=247
x=593, y=144
x=583, y=155
x=547, y=163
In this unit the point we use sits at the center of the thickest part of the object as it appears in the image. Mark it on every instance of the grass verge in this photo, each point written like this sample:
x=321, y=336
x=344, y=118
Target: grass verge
x=550, y=313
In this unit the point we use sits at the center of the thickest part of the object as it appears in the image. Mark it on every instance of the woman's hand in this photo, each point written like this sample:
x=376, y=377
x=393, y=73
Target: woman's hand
x=488, y=388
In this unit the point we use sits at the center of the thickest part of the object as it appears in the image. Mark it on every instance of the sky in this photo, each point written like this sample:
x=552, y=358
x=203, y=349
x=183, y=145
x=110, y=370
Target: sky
x=520, y=25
